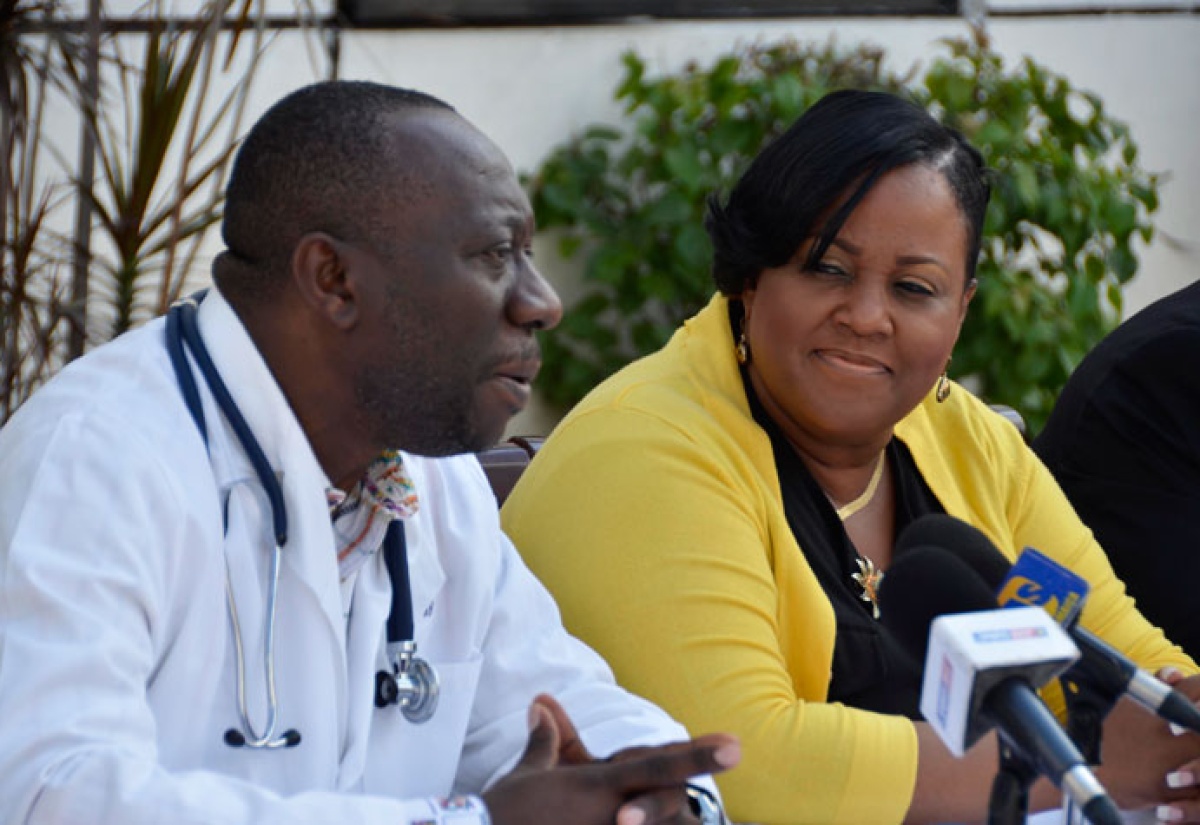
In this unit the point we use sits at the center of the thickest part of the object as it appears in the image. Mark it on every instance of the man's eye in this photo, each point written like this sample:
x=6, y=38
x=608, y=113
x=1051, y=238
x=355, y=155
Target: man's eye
x=501, y=253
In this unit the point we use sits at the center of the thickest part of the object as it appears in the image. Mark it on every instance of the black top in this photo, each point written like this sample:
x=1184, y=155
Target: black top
x=871, y=670
x=1124, y=443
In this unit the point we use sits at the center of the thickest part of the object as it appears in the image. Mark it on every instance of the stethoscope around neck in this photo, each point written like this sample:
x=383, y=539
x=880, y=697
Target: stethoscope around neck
x=412, y=685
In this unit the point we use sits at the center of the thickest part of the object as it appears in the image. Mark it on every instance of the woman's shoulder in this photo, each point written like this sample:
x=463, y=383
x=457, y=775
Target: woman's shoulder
x=961, y=423
x=973, y=459
x=692, y=382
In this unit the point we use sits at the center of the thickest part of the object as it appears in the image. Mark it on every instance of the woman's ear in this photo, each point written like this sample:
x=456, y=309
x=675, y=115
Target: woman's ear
x=321, y=270
x=747, y=299
x=968, y=294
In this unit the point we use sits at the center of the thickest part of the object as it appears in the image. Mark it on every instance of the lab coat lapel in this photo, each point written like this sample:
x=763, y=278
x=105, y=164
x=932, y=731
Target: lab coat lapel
x=309, y=553
x=424, y=566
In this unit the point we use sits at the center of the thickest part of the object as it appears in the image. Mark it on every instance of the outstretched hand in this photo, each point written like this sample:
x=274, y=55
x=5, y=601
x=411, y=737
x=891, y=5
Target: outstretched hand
x=1145, y=765
x=558, y=781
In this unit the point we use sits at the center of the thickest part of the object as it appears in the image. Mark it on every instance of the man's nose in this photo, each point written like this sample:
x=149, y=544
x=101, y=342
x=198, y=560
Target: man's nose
x=535, y=304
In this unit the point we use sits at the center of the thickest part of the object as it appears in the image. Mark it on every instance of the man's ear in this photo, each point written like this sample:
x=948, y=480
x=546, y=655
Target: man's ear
x=321, y=273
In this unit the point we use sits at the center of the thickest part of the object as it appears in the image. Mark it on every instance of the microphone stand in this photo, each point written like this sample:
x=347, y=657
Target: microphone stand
x=1086, y=708
x=1009, y=802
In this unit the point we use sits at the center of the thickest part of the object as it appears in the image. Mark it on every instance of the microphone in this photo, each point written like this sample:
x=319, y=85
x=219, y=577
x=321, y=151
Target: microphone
x=1036, y=579
x=980, y=667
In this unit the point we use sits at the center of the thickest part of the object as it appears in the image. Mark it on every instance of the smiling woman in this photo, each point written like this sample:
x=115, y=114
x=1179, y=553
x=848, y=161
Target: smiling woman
x=715, y=519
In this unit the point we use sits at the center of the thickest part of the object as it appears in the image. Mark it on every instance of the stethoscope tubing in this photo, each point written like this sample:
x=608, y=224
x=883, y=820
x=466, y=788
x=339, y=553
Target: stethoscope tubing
x=413, y=685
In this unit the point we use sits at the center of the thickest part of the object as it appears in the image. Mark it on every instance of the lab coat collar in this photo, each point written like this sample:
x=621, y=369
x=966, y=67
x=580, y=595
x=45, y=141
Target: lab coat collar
x=310, y=548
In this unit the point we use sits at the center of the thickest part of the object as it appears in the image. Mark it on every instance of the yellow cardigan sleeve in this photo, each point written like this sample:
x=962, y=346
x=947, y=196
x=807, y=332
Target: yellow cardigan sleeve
x=981, y=470
x=656, y=539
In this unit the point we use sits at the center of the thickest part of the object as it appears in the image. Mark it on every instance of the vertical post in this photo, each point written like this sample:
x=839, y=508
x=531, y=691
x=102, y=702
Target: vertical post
x=82, y=256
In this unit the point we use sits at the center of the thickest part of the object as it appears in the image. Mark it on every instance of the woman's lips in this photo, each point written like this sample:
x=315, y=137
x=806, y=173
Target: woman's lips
x=852, y=362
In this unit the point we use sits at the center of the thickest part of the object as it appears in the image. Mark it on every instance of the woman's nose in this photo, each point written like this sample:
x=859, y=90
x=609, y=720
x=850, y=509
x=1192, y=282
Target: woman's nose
x=866, y=310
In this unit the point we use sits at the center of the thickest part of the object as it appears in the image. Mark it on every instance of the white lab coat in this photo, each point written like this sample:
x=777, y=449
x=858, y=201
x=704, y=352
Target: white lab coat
x=117, y=670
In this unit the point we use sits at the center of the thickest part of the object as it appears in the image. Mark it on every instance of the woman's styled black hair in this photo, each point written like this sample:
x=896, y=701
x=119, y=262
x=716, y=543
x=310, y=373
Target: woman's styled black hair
x=844, y=143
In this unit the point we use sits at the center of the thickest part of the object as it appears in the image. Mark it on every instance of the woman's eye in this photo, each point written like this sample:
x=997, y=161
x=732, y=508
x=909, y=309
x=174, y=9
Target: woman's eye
x=825, y=268
x=914, y=288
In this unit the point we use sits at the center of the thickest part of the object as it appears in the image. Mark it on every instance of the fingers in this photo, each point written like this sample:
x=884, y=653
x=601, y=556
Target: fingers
x=1170, y=675
x=672, y=765
x=1182, y=778
x=542, y=751
x=571, y=750
x=1180, y=810
x=656, y=808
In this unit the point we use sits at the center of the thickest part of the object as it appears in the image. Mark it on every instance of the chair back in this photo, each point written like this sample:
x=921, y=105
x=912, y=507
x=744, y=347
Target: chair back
x=504, y=463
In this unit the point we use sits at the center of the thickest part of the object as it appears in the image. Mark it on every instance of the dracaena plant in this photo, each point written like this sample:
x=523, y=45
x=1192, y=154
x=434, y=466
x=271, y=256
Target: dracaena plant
x=162, y=139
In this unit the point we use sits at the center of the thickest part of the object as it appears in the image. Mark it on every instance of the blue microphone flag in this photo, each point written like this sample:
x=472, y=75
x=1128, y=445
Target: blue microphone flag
x=1036, y=581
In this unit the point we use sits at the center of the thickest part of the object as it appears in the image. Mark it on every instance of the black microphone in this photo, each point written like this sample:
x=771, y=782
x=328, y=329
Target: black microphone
x=1102, y=667
x=927, y=582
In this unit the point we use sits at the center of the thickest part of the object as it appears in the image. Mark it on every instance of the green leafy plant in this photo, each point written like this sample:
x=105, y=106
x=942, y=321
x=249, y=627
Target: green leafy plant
x=1068, y=202
x=629, y=202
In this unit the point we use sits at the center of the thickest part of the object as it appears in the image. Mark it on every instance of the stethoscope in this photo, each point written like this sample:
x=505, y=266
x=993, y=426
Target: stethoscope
x=413, y=683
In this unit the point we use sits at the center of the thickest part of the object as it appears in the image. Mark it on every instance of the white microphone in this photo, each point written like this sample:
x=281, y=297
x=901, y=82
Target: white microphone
x=981, y=668
x=971, y=654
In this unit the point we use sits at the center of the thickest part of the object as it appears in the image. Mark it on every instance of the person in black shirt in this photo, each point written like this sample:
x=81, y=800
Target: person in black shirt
x=1124, y=443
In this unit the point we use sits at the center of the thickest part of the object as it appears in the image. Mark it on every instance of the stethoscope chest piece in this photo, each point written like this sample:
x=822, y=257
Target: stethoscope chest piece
x=413, y=685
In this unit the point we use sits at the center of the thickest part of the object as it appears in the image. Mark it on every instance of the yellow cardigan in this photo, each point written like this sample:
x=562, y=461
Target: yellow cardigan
x=653, y=514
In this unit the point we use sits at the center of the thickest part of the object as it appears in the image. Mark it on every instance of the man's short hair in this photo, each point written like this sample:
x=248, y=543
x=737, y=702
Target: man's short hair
x=316, y=161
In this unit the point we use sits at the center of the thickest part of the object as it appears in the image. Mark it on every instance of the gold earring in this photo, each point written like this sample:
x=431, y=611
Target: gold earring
x=742, y=350
x=943, y=384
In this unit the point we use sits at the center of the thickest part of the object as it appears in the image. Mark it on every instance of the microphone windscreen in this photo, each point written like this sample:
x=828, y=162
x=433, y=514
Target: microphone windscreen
x=957, y=537
x=924, y=583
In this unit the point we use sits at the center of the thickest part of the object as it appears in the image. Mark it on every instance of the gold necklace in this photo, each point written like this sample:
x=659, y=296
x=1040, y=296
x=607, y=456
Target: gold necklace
x=868, y=577
x=847, y=510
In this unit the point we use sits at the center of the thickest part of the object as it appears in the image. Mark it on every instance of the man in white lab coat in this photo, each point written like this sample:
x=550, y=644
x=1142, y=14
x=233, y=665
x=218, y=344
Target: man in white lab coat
x=373, y=323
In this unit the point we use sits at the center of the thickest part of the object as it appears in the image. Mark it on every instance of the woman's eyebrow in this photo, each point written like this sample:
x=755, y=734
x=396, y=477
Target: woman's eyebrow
x=908, y=260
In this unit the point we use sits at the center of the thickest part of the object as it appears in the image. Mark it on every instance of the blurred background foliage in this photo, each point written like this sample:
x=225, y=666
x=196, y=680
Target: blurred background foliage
x=1069, y=199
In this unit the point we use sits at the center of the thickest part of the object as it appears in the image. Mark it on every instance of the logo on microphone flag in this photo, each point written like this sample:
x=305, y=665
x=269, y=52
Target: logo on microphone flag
x=1036, y=581
x=1010, y=634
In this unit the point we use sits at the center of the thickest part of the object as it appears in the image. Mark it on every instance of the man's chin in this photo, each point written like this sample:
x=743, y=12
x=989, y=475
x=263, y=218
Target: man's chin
x=476, y=440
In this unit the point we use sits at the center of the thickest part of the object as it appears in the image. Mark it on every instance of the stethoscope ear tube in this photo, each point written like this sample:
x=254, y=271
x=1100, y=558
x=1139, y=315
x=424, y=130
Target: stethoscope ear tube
x=413, y=683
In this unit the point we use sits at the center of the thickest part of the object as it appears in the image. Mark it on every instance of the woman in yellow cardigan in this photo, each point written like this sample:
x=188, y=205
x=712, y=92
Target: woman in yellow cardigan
x=713, y=519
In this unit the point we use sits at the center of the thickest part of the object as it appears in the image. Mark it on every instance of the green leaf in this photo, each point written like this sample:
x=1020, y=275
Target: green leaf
x=684, y=165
